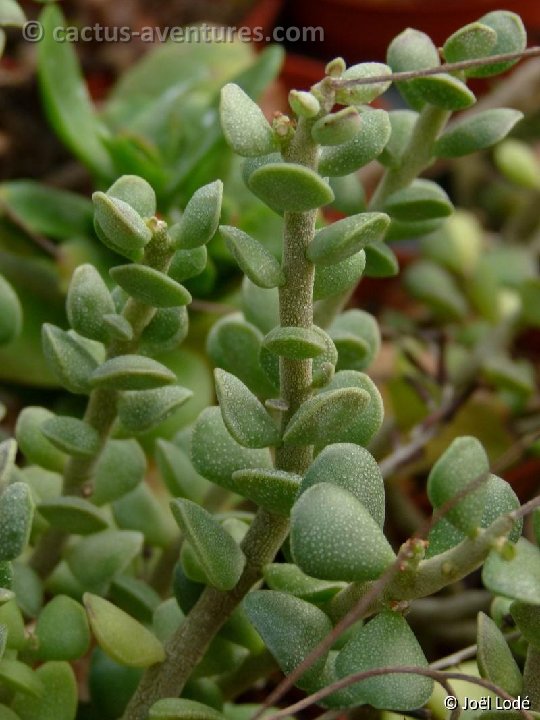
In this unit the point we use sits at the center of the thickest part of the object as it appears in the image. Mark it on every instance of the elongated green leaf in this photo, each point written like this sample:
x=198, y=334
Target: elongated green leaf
x=350, y=197
x=365, y=423
x=140, y=410
x=150, y=286
x=351, y=467
x=96, y=559
x=62, y=630
x=463, y=462
x=119, y=226
x=412, y=50
x=135, y=597
x=472, y=41
x=243, y=414
x=132, y=372
x=11, y=315
x=167, y=329
x=445, y=91
x=385, y=641
x=18, y=677
x=304, y=104
x=182, y=709
x=260, y=266
x=294, y=342
x=59, y=698
x=381, y=261
x=334, y=279
x=8, y=451
x=188, y=263
x=178, y=473
x=137, y=192
x=88, y=300
x=16, y=513
x=334, y=537
x=357, y=338
x=274, y=490
x=286, y=577
x=120, y=468
x=66, y=99
x=219, y=555
x=289, y=186
x=366, y=146
x=337, y=128
x=260, y=305
x=142, y=511
x=421, y=200
x=245, y=128
x=216, y=456
x=495, y=660
x=511, y=37
x=433, y=285
x=402, y=123
x=518, y=162
x=344, y=238
x=68, y=358
x=477, y=132
x=319, y=419
x=123, y=639
x=201, y=217
x=71, y=435
x=290, y=628
x=73, y=515
x=527, y=618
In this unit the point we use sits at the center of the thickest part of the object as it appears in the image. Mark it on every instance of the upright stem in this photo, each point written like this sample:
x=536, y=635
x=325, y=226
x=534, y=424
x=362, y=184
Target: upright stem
x=268, y=531
x=101, y=409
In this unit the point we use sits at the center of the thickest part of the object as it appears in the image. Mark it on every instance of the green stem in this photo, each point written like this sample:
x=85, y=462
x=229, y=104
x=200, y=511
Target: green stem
x=101, y=409
x=417, y=156
x=267, y=532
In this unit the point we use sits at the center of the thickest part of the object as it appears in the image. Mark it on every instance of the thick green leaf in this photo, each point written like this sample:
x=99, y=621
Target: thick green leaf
x=135, y=191
x=349, y=194
x=304, y=104
x=182, y=709
x=66, y=98
x=321, y=418
x=341, y=239
x=62, y=630
x=143, y=511
x=511, y=37
x=260, y=266
x=517, y=578
x=245, y=128
x=132, y=372
x=432, y=284
x=216, y=456
x=412, y=50
x=11, y=315
x=119, y=226
x=234, y=345
x=120, y=468
x=286, y=577
x=477, y=132
x=140, y=410
x=293, y=342
x=219, y=555
x=527, y=618
x=357, y=338
x=150, y=286
x=135, y=597
x=472, y=41
x=351, y=467
x=96, y=559
x=71, y=435
x=59, y=698
x=362, y=94
x=381, y=261
x=18, y=677
x=243, y=414
x=445, y=91
x=16, y=514
x=365, y=423
x=123, y=639
x=290, y=187
x=88, y=300
x=178, y=473
x=188, y=263
x=200, y=219
x=167, y=329
x=518, y=162
x=366, y=146
x=73, y=515
x=28, y=588
x=274, y=490
x=334, y=536
x=8, y=451
x=68, y=359
x=260, y=305
x=336, y=279
x=402, y=123
x=462, y=463
x=421, y=200
x=385, y=641
x=495, y=660
x=337, y=128
x=290, y=628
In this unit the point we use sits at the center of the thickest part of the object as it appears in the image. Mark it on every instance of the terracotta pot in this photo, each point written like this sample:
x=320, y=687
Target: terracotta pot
x=362, y=29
